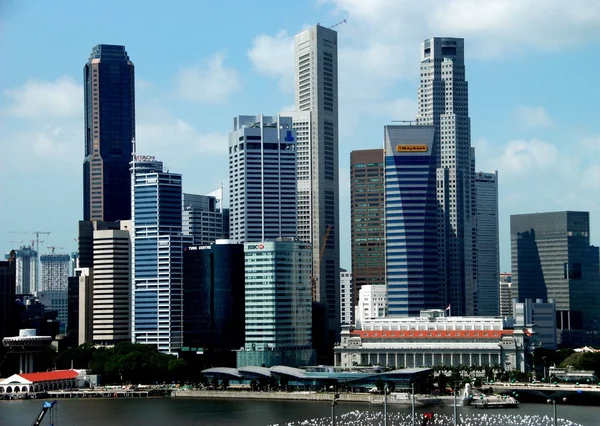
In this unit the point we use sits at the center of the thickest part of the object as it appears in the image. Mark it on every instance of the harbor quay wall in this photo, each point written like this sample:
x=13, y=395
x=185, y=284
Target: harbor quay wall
x=289, y=396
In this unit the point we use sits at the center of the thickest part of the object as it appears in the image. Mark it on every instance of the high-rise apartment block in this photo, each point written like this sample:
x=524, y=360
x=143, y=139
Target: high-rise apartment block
x=316, y=90
x=54, y=272
x=278, y=304
x=202, y=218
x=487, y=245
x=367, y=218
x=346, y=297
x=214, y=301
x=411, y=220
x=443, y=103
x=552, y=259
x=26, y=269
x=111, y=291
x=157, y=253
x=109, y=115
x=262, y=178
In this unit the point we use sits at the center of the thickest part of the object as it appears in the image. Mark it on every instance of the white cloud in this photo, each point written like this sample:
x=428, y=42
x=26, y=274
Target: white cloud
x=274, y=56
x=210, y=81
x=533, y=116
x=523, y=156
x=40, y=99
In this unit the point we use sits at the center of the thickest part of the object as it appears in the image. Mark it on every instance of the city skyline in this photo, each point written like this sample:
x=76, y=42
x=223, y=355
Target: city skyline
x=523, y=133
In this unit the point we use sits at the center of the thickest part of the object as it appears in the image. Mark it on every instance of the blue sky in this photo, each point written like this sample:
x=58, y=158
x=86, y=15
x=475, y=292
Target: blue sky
x=532, y=68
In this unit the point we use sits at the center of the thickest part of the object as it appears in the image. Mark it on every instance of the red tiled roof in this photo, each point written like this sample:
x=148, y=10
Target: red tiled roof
x=50, y=375
x=432, y=334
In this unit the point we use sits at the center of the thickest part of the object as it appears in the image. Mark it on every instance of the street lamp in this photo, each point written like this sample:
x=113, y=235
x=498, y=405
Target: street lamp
x=553, y=402
x=336, y=396
x=385, y=416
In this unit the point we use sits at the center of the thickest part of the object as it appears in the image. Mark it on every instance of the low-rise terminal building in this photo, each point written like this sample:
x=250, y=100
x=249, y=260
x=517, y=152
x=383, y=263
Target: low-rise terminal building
x=21, y=384
x=433, y=339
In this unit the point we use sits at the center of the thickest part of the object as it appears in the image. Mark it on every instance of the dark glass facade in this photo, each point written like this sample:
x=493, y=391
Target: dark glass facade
x=109, y=101
x=552, y=259
x=367, y=215
x=214, y=298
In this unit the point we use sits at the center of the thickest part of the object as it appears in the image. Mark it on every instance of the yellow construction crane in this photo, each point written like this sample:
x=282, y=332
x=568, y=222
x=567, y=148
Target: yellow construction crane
x=318, y=263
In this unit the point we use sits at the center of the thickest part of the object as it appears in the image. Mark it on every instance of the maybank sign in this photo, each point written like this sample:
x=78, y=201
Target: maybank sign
x=411, y=148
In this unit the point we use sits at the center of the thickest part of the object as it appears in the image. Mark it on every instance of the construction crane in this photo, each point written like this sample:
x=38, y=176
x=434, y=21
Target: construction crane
x=318, y=263
x=16, y=242
x=339, y=23
x=37, y=237
x=54, y=248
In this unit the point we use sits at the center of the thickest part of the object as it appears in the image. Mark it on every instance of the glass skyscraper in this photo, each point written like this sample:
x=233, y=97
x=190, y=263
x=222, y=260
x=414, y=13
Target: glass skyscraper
x=411, y=216
x=109, y=103
x=157, y=253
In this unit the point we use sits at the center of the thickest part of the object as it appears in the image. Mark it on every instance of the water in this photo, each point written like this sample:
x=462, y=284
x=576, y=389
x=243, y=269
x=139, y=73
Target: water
x=187, y=412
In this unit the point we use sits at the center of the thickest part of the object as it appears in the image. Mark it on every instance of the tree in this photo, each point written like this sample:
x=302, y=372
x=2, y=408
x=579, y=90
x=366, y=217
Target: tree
x=442, y=381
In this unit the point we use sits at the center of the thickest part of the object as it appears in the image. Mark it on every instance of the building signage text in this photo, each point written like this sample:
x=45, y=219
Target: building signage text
x=411, y=148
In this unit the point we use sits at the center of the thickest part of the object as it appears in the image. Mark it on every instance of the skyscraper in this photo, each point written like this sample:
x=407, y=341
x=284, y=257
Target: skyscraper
x=7, y=297
x=411, y=212
x=202, y=218
x=54, y=272
x=157, y=247
x=262, y=178
x=316, y=87
x=26, y=269
x=487, y=247
x=367, y=218
x=109, y=103
x=444, y=104
x=552, y=259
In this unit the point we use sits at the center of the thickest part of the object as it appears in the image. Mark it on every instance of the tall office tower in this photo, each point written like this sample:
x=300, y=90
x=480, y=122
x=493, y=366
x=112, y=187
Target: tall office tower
x=506, y=299
x=316, y=87
x=411, y=220
x=56, y=300
x=54, y=272
x=157, y=256
x=202, y=218
x=487, y=245
x=278, y=304
x=346, y=297
x=109, y=102
x=552, y=259
x=262, y=178
x=26, y=269
x=7, y=297
x=444, y=104
x=214, y=301
x=367, y=218
x=111, y=289
x=540, y=314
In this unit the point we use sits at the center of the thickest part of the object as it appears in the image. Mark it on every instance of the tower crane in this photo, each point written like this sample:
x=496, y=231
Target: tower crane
x=339, y=23
x=317, y=269
x=37, y=236
x=54, y=248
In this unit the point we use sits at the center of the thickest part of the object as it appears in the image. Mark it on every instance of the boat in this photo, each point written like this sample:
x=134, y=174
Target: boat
x=494, y=401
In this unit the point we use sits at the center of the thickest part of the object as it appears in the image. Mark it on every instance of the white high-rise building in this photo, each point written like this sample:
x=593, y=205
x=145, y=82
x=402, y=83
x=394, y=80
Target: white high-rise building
x=202, y=218
x=487, y=247
x=316, y=89
x=26, y=270
x=111, y=289
x=444, y=103
x=346, y=297
x=262, y=178
x=372, y=303
x=54, y=272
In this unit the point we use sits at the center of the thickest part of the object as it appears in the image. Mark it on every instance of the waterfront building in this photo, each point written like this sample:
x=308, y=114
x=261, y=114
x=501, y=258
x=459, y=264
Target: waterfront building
x=57, y=300
x=214, y=301
x=542, y=317
x=262, y=178
x=346, y=297
x=411, y=220
x=506, y=299
x=433, y=339
x=367, y=218
x=202, y=218
x=278, y=329
x=111, y=289
x=54, y=272
x=109, y=123
x=443, y=102
x=487, y=246
x=316, y=95
x=26, y=269
x=372, y=303
x=552, y=259
x=157, y=256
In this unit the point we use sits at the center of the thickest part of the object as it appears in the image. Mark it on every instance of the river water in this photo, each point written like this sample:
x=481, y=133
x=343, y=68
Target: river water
x=187, y=412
